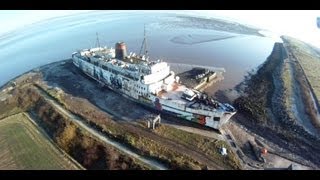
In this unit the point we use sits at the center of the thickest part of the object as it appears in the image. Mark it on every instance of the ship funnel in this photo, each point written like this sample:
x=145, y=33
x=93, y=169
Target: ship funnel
x=121, y=50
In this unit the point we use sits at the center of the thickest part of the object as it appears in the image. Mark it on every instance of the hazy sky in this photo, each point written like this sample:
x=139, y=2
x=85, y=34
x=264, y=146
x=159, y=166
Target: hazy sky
x=300, y=24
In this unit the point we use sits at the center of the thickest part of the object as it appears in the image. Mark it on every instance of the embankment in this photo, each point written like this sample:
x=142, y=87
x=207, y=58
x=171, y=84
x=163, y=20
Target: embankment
x=263, y=105
x=305, y=61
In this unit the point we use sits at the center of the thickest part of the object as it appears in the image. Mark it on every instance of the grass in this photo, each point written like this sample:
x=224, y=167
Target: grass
x=309, y=60
x=152, y=148
x=24, y=147
x=141, y=144
x=78, y=143
x=8, y=110
x=203, y=144
x=287, y=83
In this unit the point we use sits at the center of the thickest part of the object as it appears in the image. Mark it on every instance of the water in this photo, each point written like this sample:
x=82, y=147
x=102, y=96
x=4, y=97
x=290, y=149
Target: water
x=56, y=39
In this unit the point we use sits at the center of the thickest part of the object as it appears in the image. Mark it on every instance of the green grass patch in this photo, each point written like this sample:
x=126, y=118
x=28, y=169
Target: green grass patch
x=24, y=147
x=208, y=146
x=8, y=110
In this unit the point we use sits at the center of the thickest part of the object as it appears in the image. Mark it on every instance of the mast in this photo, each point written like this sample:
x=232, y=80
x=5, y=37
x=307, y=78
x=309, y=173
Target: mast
x=97, y=41
x=144, y=43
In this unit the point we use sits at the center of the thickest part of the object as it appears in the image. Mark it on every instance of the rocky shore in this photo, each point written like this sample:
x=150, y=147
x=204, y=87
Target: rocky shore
x=264, y=109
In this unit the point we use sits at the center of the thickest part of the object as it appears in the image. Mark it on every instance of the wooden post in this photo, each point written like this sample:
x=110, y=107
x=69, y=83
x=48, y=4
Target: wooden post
x=153, y=123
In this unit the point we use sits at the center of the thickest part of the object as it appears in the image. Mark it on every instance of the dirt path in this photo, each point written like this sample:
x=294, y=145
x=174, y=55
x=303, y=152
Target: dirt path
x=243, y=134
x=236, y=145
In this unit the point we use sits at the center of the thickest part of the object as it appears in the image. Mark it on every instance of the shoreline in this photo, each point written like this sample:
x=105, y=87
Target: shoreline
x=30, y=71
x=262, y=104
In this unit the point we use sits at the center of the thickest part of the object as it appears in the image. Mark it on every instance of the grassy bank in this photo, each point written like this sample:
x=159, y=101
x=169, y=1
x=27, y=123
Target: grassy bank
x=305, y=60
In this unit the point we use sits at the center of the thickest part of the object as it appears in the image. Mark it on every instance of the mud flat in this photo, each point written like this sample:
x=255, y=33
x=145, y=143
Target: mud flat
x=199, y=38
x=216, y=24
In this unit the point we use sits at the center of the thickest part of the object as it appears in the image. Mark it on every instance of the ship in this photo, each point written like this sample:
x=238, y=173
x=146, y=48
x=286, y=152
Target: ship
x=150, y=83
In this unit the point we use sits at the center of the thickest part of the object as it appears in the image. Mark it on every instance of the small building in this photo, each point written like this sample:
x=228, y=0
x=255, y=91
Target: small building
x=151, y=122
x=223, y=151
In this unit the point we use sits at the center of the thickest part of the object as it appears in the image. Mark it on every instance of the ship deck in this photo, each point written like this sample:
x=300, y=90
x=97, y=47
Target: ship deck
x=175, y=94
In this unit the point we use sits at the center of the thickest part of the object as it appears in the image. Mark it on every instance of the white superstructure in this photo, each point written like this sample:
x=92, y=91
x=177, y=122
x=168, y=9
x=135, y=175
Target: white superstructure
x=151, y=83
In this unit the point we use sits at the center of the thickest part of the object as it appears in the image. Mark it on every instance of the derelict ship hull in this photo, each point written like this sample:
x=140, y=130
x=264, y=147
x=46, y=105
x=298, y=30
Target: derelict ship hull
x=153, y=102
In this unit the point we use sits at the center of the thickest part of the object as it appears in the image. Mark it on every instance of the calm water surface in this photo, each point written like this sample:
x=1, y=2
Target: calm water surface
x=56, y=39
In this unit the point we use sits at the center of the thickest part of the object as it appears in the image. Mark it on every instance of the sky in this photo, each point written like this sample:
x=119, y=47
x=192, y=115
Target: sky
x=297, y=23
